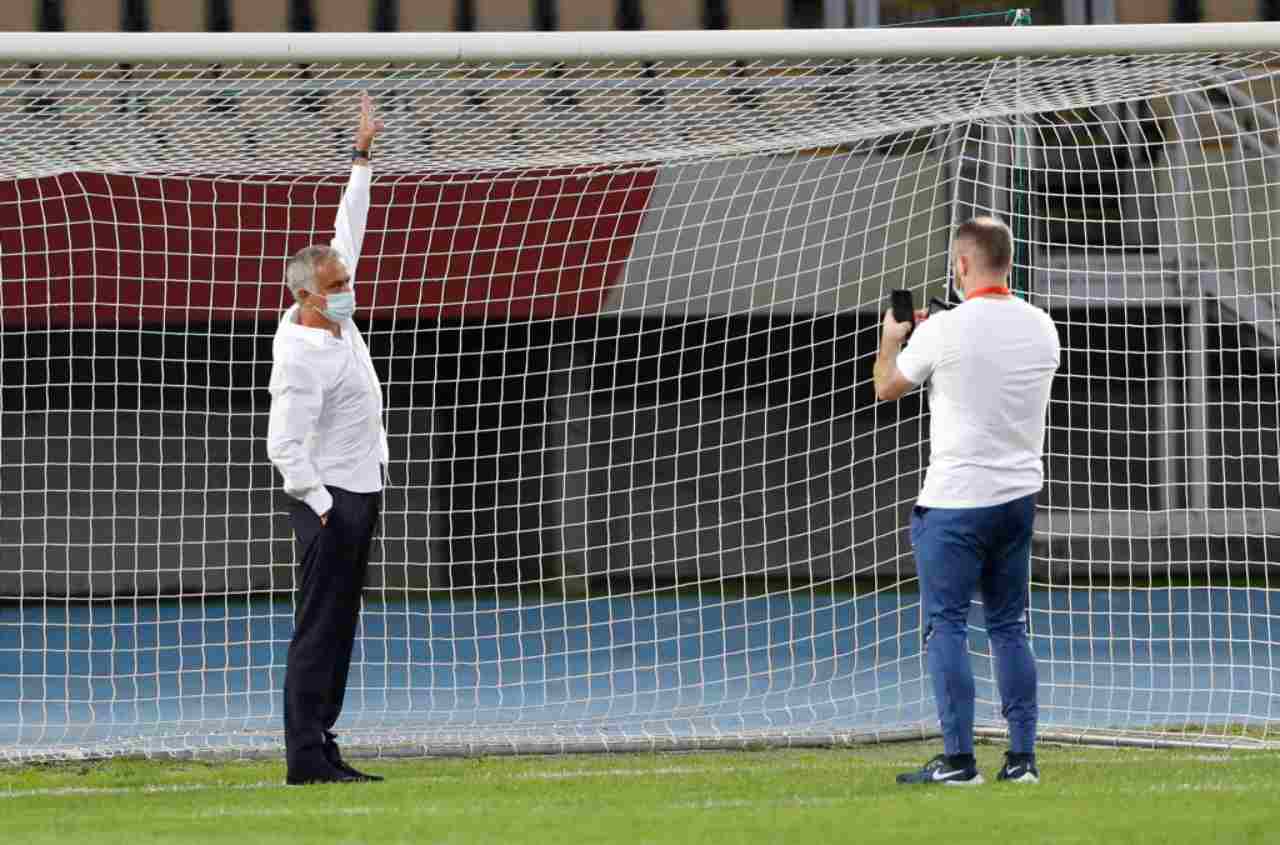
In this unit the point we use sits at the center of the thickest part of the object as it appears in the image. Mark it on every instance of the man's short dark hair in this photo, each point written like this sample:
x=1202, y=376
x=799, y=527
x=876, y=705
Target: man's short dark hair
x=991, y=240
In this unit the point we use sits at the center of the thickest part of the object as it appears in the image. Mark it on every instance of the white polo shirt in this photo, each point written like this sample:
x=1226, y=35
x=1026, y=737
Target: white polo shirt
x=326, y=399
x=989, y=363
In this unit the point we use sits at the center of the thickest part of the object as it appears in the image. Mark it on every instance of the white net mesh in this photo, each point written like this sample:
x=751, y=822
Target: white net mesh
x=624, y=313
x=445, y=118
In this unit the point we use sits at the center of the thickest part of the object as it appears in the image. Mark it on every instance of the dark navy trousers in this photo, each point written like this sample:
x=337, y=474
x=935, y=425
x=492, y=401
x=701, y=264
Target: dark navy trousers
x=960, y=551
x=333, y=559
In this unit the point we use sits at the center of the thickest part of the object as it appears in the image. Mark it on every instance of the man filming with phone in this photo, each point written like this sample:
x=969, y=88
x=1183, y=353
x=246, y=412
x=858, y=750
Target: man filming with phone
x=989, y=364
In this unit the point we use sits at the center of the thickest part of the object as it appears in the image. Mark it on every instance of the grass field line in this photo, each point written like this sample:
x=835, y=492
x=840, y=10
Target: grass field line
x=428, y=809
x=551, y=806
x=751, y=804
x=714, y=767
x=617, y=772
x=545, y=807
x=641, y=771
x=269, y=812
x=81, y=791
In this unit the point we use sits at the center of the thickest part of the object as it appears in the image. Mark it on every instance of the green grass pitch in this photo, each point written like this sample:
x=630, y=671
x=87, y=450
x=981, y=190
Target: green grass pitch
x=1102, y=795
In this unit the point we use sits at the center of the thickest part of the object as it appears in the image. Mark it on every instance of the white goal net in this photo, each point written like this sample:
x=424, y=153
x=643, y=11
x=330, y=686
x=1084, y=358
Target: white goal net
x=624, y=303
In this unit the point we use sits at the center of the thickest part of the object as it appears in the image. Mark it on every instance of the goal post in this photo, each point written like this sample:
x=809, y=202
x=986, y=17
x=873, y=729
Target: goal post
x=623, y=291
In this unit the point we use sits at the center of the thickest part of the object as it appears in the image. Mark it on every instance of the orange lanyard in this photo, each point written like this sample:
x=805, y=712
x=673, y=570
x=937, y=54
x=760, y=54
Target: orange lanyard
x=993, y=289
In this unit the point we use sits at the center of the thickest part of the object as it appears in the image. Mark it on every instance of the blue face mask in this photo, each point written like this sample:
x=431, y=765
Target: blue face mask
x=339, y=306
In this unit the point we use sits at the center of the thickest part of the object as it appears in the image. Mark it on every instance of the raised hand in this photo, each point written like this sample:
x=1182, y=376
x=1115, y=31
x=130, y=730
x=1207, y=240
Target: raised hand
x=894, y=331
x=369, y=126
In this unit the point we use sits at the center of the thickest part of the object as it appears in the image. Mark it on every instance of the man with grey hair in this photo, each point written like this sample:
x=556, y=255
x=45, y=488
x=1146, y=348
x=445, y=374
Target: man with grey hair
x=326, y=438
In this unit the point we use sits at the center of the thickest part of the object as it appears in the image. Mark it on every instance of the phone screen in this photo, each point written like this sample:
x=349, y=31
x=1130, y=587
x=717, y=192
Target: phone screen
x=904, y=308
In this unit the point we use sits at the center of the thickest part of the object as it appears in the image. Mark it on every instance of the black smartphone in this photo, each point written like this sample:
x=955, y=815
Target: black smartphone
x=904, y=308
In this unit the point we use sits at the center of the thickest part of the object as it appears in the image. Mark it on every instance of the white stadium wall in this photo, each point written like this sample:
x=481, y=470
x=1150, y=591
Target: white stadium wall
x=795, y=233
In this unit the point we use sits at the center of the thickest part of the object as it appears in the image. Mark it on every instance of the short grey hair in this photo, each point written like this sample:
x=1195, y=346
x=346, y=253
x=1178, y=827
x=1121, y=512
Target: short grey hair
x=300, y=271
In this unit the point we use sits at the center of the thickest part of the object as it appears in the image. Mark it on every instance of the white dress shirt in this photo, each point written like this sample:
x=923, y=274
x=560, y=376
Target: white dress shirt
x=989, y=364
x=326, y=400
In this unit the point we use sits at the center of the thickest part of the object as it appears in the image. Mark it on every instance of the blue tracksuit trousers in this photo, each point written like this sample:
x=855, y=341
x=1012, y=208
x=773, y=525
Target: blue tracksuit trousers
x=959, y=552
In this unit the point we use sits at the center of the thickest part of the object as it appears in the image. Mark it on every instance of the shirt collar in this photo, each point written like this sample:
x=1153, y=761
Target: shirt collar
x=292, y=328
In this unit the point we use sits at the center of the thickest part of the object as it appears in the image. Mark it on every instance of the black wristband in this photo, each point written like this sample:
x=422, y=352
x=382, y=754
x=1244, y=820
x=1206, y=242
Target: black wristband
x=357, y=154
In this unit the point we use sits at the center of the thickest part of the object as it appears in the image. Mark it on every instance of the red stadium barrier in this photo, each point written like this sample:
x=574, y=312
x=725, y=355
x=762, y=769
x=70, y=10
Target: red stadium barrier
x=94, y=250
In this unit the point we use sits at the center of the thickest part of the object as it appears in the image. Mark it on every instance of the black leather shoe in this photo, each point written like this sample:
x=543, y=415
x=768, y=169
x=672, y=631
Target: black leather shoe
x=356, y=774
x=334, y=756
x=318, y=774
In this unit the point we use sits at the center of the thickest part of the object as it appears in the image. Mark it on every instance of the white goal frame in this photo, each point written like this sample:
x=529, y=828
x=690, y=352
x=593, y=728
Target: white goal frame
x=652, y=45
x=373, y=52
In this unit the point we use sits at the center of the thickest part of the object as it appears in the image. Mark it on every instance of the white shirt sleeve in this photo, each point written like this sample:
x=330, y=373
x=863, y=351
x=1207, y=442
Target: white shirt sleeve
x=920, y=357
x=1054, y=341
x=296, y=401
x=353, y=212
